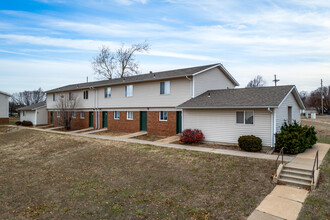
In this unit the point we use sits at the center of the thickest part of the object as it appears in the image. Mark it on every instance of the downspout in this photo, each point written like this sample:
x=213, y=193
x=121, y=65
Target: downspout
x=273, y=127
x=94, y=106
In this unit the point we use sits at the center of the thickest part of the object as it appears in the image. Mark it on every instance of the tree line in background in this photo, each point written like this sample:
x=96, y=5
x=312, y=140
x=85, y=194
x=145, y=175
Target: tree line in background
x=21, y=99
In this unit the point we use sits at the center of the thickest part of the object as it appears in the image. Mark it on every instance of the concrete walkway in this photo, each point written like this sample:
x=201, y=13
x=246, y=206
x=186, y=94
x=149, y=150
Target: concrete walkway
x=131, y=135
x=285, y=202
x=175, y=146
x=170, y=139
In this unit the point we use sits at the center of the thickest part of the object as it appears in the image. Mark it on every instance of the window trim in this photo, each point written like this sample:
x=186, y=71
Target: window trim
x=58, y=114
x=114, y=115
x=126, y=94
x=169, y=92
x=23, y=113
x=74, y=114
x=54, y=97
x=244, y=117
x=106, y=95
x=128, y=117
x=70, y=96
x=82, y=117
x=85, y=94
x=160, y=116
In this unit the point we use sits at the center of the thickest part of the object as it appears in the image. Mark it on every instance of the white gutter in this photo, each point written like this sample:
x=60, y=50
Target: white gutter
x=226, y=107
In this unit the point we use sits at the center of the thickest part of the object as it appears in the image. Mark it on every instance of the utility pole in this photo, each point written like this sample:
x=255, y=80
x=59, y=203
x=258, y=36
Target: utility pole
x=322, y=95
x=275, y=80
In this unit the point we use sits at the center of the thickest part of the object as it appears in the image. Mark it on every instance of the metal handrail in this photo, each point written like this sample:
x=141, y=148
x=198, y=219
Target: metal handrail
x=316, y=160
x=279, y=154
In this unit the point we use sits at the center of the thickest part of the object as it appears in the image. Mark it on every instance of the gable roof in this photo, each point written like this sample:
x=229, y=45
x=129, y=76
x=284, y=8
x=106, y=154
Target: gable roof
x=170, y=74
x=259, y=97
x=33, y=106
x=3, y=93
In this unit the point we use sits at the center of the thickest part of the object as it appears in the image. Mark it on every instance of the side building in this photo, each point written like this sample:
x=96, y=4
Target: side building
x=4, y=107
x=146, y=102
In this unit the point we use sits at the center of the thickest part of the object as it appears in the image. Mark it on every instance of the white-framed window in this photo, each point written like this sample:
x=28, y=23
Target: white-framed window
x=129, y=115
x=54, y=97
x=116, y=115
x=107, y=92
x=58, y=114
x=162, y=116
x=129, y=90
x=70, y=96
x=86, y=94
x=245, y=117
x=73, y=114
x=23, y=113
x=82, y=115
x=165, y=88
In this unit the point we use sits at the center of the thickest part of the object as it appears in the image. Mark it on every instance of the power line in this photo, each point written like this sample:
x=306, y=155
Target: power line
x=275, y=80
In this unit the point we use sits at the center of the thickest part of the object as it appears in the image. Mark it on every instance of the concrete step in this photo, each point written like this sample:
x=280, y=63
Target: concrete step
x=295, y=183
x=297, y=173
x=297, y=169
x=293, y=177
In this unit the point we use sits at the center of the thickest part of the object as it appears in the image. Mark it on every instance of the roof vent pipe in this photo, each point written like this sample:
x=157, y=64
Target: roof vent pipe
x=209, y=95
x=150, y=72
x=154, y=75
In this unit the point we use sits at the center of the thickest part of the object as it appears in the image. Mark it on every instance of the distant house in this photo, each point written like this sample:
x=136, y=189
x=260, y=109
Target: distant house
x=4, y=107
x=164, y=103
x=36, y=113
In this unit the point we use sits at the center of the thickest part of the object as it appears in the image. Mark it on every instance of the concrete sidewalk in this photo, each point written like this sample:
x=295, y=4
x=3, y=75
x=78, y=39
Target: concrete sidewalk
x=285, y=202
x=175, y=146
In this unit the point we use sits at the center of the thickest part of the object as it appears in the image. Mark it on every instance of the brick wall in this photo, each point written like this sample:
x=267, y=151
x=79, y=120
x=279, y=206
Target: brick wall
x=122, y=124
x=161, y=128
x=76, y=123
x=4, y=120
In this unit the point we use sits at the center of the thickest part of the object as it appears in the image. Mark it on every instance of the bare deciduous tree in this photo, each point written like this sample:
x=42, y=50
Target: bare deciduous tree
x=118, y=64
x=66, y=105
x=314, y=100
x=258, y=81
x=26, y=98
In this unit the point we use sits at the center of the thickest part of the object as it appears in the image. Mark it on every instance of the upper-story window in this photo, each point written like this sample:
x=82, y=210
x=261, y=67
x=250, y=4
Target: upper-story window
x=244, y=117
x=23, y=113
x=86, y=94
x=129, y=90
x=70, y=96
x=54, y=97
x=165, y=87
x=107, y=92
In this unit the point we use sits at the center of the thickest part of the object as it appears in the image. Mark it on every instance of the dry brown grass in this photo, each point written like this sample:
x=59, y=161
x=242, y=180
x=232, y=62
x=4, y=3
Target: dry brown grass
x=322, y=127
x=149, y=137
x=111, y=133
x=46, y=175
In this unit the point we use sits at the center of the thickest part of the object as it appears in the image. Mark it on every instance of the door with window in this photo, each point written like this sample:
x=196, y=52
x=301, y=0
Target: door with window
x=178, y=122
x=104, y=119
x=91, y=119
x=51, y=117
x=143, y=121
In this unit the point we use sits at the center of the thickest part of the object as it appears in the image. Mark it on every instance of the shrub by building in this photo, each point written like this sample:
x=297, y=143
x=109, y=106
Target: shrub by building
x=295, y=138
x=250, y=143
x=190, y=136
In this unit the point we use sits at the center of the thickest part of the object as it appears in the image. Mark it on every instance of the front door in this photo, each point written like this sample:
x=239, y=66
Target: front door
x=51, y=117
x=143, y=121
x=104, y=119
x=178, y=122
x=91, y=119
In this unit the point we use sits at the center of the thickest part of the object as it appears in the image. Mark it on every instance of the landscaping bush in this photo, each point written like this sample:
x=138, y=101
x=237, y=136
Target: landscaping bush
x=27, y=123
x=295, y=138
x=250, y=143
x=190, y=136
x=18, y=123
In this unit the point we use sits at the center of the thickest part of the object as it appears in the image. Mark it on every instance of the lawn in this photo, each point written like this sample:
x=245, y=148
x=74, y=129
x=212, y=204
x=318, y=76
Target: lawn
x=45, y=175
x=318, y=202
x=322, y=127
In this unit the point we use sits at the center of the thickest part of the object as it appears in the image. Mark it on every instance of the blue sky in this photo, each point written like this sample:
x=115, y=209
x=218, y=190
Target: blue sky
x=50, y=43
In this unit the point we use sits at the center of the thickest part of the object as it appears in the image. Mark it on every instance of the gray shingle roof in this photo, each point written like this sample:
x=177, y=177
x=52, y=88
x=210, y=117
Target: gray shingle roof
x=33, y=107
x=143, y=77
x=3, y=93
x=241, y=98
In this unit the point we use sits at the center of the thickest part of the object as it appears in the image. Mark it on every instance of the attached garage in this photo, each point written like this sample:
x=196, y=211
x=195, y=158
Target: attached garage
x=225, y=115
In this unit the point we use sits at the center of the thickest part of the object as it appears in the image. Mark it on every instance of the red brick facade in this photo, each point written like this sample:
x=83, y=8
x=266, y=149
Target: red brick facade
x=76, y=123
x=161, y=128
x=122, y=124
x=4, y=120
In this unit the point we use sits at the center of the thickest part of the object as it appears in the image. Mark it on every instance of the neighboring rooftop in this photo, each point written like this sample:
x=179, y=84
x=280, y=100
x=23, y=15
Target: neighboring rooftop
x=259, y=97
x=3, y=93
x=33, y=107
x=170, y=74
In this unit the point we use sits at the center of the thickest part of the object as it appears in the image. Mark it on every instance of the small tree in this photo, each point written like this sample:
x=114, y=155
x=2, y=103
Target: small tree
x=258, y=81
x=122, y=63
x=66, y=104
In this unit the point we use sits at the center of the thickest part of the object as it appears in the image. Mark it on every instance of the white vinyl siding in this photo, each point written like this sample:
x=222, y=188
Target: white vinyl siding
x=42, y=116
x=212, y=79
x=220, y=125
x=4, y=106
x=28, y=116
x=282, y=112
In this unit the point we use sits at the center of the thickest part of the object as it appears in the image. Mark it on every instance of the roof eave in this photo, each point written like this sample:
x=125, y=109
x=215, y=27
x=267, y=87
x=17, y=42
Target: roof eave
x=226, y=107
